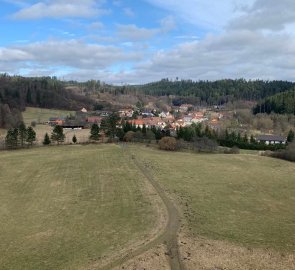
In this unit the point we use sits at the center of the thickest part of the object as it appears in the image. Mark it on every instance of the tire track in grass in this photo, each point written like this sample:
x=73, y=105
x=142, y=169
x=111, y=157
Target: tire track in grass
x=167, y=237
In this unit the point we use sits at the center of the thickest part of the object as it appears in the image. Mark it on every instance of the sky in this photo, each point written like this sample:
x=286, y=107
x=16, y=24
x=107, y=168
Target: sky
x=139, y=41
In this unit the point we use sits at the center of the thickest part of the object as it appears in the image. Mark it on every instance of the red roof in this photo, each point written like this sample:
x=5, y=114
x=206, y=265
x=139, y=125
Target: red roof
x=93, y=119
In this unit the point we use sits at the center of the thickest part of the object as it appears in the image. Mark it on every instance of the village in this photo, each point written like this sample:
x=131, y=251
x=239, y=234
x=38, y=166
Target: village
x=181, y=116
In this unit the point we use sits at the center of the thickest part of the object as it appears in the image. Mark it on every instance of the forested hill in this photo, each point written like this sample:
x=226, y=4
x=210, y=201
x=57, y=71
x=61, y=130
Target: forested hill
x=279, y=103
x=217, y=92
x=18, y=92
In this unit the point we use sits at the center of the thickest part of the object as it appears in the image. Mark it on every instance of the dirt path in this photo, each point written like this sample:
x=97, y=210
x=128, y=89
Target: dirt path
x=167, y=237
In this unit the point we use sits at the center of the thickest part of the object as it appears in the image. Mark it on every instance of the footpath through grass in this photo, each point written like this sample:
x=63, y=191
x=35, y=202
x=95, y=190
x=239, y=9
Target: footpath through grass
x=67, y=207
x=246, y=199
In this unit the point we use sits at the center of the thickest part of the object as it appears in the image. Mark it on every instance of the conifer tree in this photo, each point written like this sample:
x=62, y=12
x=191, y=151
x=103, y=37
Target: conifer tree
x=46, y=140
x=31, y=136
x=94, y=133
x=291, y=135
x=74, y=139
x=22, y=133
x=57, y=134
x=11, y=139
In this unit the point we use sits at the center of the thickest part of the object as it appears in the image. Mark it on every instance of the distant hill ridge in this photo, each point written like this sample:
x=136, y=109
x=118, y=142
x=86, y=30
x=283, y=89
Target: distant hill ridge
x=217, y=92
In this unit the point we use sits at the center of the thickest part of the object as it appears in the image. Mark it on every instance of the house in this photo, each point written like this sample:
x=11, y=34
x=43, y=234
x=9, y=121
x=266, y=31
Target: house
x=163, y=114
x=94, y=120
x=147, y=114
x=126, y=113
x=185, y=107
x=187, y=120
x=271, y=139
x=137, y=122
x=73, y=127
x=56, y=121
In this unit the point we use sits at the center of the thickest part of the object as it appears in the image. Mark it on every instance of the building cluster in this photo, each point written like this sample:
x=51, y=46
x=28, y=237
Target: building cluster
x=182, y=116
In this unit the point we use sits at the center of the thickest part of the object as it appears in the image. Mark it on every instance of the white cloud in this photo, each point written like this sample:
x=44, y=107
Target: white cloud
x=211, y=15
x=72, y=53
x=60, y=9
x=227, y=39
x=168, y=24
x=131, y=32
x=231, y=55
x=135, y=33
x=266, y=14
x=128, y=12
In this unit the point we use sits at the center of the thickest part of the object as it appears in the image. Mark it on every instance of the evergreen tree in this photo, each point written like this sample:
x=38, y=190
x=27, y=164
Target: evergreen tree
x=198, y=130
x=22, y=133
x=227, y=137
x=208, y=133
x=239, y=138
x=245, y=138
x=11, y=139
x=29, y=96
x=46, y=140
x=144, y=129
x=94, y=133
x=110, y=124
x=120, y=134
x=291, y=135
x=57, y=134
x=158, y=133
x=74, y=139
x=31, y=136
x=252, y=139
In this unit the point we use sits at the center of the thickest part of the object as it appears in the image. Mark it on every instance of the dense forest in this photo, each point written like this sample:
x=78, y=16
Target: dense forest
x=216, y=92
x=195, y=92
x=18, y=92
x=280, y=103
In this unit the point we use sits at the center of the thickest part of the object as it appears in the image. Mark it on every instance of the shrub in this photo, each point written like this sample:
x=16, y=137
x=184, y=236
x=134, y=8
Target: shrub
x=205, y=144
x=233, y=150
x=287, y=154
x=129, y=136
x=168, y=143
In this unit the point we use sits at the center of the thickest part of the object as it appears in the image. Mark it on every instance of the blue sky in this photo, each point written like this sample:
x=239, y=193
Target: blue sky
x=124, y=41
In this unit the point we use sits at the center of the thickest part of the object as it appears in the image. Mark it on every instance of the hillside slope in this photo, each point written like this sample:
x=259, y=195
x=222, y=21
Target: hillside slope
x=18, y=92
x=280, y=103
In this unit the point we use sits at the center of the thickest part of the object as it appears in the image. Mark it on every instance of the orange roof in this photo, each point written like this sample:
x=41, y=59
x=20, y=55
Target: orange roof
x=136, y=122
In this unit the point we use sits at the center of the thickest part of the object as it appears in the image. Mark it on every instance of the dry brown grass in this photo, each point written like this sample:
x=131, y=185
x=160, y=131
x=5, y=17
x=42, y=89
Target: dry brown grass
x=204, y=254
x=155, y=258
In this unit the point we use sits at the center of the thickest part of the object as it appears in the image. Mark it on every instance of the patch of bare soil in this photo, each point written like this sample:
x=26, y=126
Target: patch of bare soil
x=198, y=253
x=155, y=258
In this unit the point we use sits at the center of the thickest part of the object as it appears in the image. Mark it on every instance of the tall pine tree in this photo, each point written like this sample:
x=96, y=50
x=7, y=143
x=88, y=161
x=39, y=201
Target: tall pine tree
x=94, y=133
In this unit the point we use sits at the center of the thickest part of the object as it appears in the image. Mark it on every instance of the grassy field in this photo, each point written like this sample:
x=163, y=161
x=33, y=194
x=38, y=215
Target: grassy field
x=246, y=199
x=40, y=115
x=67, y=207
